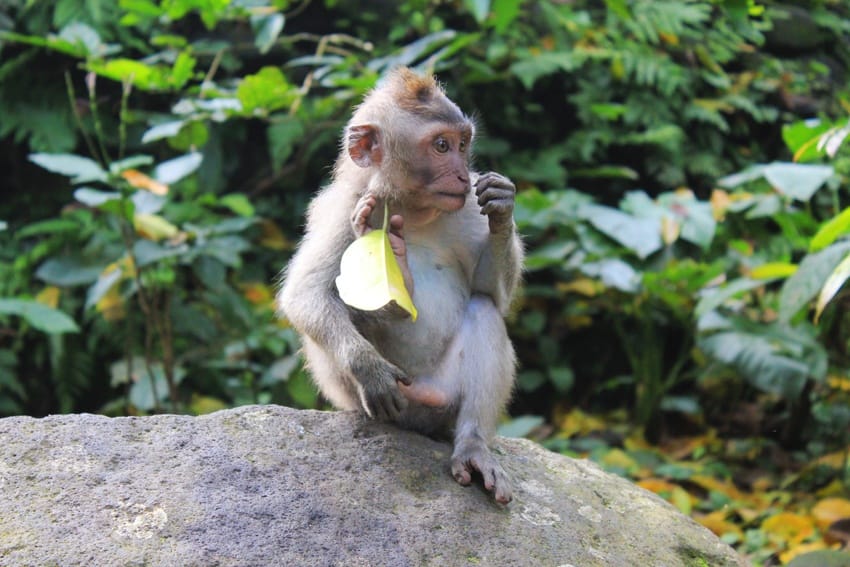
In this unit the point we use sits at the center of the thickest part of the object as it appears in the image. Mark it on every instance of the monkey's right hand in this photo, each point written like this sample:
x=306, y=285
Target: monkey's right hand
x=379, y=392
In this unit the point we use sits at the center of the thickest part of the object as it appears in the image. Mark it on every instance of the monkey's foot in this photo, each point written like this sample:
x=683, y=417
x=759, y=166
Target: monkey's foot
x=471, y=457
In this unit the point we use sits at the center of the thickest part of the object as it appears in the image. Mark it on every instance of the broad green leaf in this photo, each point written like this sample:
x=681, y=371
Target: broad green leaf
x=164, y=130
x=50, y=226
x=268, y=29
x=749, y=174
x=833, y=283
x=104, y=283
x=830, y=230
x=504, y=14
x=80, y=169
x=302, y=391
x=613, y=273
x=83, y=37
x=181, y=71
x=713, y=298
x=370, y=276
x=141, y=75
x=94, y=197
x=67, y=271
x=551, y=254
x=773, y=359
x=620, y=8
x=796, y=180
x=147, y=252
x=802, y=138
x=40, y=316
x=265, y=91
x=131, y=162
x=478, y=8
x=640, y=235
x=529, y=68
x=173, y=170
x=809, y=279
x=238, y=203
x=191, y=136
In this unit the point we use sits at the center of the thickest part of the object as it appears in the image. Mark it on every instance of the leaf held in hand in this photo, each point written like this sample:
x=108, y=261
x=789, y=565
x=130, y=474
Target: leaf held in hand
x=370, y=276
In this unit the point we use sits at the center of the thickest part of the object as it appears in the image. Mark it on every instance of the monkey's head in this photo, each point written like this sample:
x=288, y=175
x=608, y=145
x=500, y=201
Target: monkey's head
x=414, y=140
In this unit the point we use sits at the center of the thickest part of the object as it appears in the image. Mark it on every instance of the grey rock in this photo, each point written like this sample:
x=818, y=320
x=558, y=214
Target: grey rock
x=266, y=485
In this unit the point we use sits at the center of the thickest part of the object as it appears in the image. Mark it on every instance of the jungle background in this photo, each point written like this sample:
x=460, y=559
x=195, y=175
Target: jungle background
x=683, y=196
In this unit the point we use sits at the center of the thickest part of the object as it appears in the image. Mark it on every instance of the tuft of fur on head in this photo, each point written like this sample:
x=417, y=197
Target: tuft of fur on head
x=419, y=97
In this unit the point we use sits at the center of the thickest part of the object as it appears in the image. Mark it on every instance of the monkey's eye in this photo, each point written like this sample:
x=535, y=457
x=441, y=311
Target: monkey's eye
x=441, y=145
x=462, y=146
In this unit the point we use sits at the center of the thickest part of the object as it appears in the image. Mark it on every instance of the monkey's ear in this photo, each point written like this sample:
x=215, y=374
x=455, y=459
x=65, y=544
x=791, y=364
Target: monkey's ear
x=364, y=146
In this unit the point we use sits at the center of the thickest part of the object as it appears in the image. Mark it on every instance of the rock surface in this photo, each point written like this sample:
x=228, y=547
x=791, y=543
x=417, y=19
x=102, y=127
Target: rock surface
x=266, y=485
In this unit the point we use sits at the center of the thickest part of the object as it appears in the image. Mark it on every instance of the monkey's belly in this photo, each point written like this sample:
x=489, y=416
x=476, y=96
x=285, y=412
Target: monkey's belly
x=418, y=347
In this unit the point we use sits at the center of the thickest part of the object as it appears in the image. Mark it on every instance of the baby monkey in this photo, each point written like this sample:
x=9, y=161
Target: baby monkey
x=407, y=146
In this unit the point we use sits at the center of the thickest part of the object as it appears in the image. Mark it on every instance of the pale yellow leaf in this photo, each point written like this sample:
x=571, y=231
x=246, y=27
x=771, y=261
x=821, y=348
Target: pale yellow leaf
x=370, y=276
x=153, y=227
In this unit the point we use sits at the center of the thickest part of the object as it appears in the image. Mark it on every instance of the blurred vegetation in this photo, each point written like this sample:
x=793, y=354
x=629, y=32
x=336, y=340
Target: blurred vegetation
x=683, y=194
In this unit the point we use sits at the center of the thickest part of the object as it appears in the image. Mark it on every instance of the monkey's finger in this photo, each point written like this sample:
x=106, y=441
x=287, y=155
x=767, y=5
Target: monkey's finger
x=495, y=194
x=503, y=492
x=500, y=207
x=493, y=179
x=489, y=476
x=460, y=472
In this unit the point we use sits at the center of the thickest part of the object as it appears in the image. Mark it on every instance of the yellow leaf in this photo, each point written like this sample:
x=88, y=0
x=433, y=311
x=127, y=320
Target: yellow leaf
x=672, y=493
x=839, y=383
x=582, y=286
x=670, y=229
x=578, y=422
x=717, y=523
x=669, y=38
x=153, y=227
x=111, y=305
x=141, y=181
x=723, y=487
x=370, y=276
x=618, y=458
x=201, y=405
x=272, y=237
x=772, y=270
x=791, y=529
x=830, y=510
x=720, y=201
x=257, y=293
x=49, y=296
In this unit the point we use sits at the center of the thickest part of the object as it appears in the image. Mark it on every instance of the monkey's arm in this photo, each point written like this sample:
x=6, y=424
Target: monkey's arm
x=499, y=267
x=309, y=300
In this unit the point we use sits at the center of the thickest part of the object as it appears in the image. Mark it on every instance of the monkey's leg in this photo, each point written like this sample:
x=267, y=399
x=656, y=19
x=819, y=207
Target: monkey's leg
x=485, y=368
x=476, y=376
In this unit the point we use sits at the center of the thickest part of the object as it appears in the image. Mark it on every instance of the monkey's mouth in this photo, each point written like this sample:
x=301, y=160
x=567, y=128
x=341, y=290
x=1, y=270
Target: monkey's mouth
x=454, y=194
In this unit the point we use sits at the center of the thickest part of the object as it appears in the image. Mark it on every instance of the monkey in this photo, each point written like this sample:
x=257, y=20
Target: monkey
x=407, y=146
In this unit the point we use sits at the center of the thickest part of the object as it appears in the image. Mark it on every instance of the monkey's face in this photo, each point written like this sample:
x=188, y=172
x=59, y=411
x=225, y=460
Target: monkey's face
x=439, y=168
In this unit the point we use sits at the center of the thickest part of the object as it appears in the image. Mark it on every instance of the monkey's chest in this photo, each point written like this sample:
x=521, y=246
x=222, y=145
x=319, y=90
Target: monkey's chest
x=442, y=288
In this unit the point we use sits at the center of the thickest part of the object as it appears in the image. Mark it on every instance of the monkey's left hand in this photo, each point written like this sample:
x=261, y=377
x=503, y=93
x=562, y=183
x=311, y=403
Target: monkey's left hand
x=496, y=194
